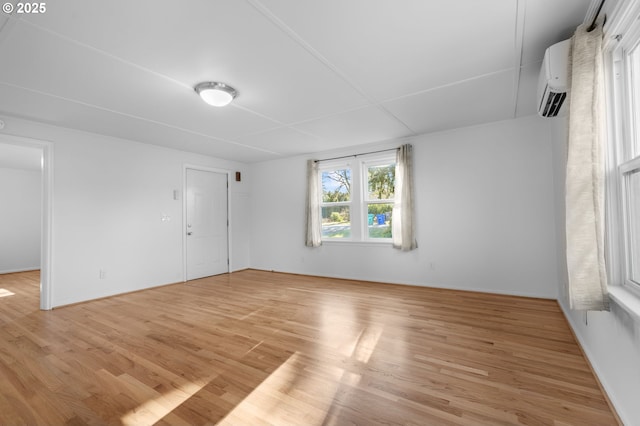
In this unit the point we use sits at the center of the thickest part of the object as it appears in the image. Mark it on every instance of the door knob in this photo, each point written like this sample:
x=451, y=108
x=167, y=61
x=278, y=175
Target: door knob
x=189, y=233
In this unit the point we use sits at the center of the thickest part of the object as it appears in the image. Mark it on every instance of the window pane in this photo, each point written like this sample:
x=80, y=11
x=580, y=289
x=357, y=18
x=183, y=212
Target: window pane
x=336, y=186
x=379, y=220
x=381, y=182
x=336, y=222
x=633, y=202
x=635, y=90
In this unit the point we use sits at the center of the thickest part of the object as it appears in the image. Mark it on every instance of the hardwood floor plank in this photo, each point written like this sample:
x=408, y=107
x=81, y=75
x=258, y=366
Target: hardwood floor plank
x=264, y=348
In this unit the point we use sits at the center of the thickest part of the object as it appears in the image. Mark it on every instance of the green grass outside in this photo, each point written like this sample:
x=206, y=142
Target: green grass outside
x=374, y=232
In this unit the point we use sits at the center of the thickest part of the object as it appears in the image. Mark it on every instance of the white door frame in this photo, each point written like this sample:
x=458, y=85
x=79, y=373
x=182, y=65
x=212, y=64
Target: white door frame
x=184, y=213
x=46, y=250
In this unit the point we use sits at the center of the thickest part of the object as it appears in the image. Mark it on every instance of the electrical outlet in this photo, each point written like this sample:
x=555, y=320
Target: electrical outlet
x=103, y=274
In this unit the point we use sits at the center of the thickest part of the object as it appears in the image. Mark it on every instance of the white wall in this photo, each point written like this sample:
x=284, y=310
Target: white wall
x=485, y=211
x=20, y=194
x=611, y=340
x=109, y=196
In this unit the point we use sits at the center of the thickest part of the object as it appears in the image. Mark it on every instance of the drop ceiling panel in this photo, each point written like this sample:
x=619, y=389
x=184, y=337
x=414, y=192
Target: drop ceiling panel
x=77, y=74
x=355, y=127
x=477, y=101
x=54, y=111
x=549, y=22
x=226, y=41
x=528, y=90
x=126, y=128
x=34, y=106
x=391, y=48
x=285, y=141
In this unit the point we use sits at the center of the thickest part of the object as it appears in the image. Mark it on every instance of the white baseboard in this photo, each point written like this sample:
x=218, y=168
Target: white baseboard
x=12, y=271
x=610, y=395
x=502, y=292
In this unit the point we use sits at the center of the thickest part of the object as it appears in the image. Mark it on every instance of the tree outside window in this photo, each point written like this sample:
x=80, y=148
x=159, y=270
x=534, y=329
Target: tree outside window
x=379, y=199
x=336, y=203
x=357, y=199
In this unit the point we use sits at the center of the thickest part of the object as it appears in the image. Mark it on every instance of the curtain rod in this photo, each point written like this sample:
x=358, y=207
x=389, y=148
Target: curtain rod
x=593, y=23
x=356, y=155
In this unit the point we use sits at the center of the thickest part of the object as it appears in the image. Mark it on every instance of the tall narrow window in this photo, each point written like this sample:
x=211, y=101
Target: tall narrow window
x=624, y=152
x=632, y=213
x=336, y=203
x=630, y=169
x=632, y=147
x=379, y=198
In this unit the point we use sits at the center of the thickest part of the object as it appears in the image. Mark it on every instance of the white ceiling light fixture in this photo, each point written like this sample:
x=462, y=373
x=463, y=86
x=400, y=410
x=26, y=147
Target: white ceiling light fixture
x=216, y=94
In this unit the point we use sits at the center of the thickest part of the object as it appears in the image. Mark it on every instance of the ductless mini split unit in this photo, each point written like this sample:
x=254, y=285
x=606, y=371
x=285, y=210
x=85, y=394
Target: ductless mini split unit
x=553, y=80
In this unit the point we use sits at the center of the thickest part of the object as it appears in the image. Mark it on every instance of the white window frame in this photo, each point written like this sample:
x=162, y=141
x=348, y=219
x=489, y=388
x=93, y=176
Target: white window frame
x=380, y=161
x=623, y=152
x=359, y=195
x=626, y=170
x=331, y=166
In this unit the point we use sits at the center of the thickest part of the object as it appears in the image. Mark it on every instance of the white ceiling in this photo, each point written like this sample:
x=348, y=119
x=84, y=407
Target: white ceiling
x=312, y=75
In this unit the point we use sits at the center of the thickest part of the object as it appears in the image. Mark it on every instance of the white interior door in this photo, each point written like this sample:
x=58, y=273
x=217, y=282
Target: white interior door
x=206, y=224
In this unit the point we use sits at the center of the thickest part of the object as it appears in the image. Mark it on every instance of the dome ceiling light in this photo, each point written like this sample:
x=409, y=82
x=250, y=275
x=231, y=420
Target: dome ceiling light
x=216, y=94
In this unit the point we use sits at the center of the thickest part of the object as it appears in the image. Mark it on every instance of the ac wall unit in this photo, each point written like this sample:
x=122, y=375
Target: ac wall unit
x=552, y=82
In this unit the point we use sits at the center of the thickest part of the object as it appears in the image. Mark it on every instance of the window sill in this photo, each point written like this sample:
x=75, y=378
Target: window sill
x=626, y=299
x=356, y=243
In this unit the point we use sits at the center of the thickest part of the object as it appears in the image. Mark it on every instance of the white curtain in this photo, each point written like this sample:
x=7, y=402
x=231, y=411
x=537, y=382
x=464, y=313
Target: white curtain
x=585, y=174
x=403, y=221
x=313, y=236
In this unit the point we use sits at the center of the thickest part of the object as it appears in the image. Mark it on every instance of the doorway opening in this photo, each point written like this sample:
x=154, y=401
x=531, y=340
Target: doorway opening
x=19, y=149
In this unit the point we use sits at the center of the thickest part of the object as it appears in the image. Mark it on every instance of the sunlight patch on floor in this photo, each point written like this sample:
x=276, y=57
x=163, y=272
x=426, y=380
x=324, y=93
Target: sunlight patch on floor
x=4, y=292
x=304, y=385
x=366, y=343
x=289, y=389
x=156, y=409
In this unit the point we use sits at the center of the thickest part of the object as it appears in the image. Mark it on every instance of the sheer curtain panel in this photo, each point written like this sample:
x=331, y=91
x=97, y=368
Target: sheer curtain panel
x=403, y=220
x=313, y=235
x=585, y=174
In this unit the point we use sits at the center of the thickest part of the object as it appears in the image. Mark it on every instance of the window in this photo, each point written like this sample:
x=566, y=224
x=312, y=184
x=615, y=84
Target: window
x=632, y=223
x=336, y=203
x=624, y=153
x=357, y=199
x=380, y=180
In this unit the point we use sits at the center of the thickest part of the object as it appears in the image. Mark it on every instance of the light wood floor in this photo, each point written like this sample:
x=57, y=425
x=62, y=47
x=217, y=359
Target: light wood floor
x=254, y=348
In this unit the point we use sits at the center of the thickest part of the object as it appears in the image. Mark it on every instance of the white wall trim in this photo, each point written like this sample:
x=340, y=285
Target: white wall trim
x=46, y=284
x=498, y=292
x=184, y=213
x=601, y=377
x=27, y=269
